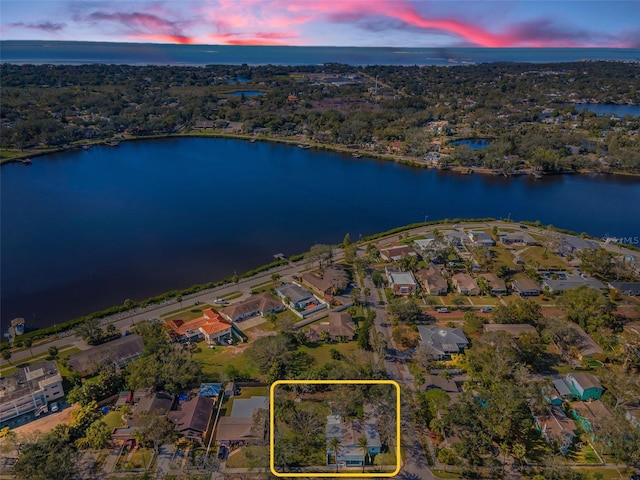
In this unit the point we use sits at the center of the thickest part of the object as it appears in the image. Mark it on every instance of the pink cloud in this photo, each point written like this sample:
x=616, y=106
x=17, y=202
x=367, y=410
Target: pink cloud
x=145, y=25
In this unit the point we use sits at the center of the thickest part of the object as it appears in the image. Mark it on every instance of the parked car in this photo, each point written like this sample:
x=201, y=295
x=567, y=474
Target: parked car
x=222, y=452
x=54, y=407
x=486, y=309
x=442, y=310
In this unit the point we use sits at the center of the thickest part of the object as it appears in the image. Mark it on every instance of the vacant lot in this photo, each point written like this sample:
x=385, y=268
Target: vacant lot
x=48, y=422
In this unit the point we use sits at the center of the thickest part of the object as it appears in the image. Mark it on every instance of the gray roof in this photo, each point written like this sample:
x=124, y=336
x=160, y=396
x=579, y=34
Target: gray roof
x=524, y=284
x=561, y=387
x=586, y=380
x=578, y=243
x=122, y=349
x=244, y=407
x=401, y=278
x=160, y=403
x=442, y=339
x=294, y=292
x=28, y=379
x=573, y=282
x=436, y=381
x=517, y=237
x=627, y=288
x=195, y=414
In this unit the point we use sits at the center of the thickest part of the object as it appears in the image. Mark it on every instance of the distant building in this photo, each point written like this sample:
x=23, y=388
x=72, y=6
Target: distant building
x=517, y=238
x=212, y=327
x=481, y=239
x=349, y=453
x=442, y=383
x=432, y=281
x=572, y=282
x=330, y=281
x=340, y=327
x=402, y=283
x=525, y=287
x=627, y=288
x=465, y=284
x=254, y=305
x=299, y=297
x=29, y=391
x=442, y=340
x=397, y=252
x=497, y=286
x=118, y=352
x=570, y=244
x=456, y=238
x=556, y=428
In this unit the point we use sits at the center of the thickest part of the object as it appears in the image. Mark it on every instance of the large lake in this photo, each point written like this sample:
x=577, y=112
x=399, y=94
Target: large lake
x=83, y=230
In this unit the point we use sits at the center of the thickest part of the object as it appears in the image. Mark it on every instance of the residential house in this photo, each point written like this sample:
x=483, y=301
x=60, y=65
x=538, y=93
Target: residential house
x=515, y=330
x=402, y=283
x=349, y=453
x=443, y=341
x=118, y=352
x=28, y=391
x=456, y=238
x=192, y=420
x=432, y=280
x=429, y=243
x=255, y=305
x=584, y=385
x=572, y=282
x=556, y=428
x=465, y=284
x=570, y=244
x=297, y=296
x=497, y=286
x=481, y=239
x=586, y=346
x=442, y=383
x=247, y=423
x=588, y=414
x=516, y=238
x=212, y=327
x=330, y=281
x=525, y=287
x=396, y=253
x=340, y=327
x=200, y=124
x=627, y=288
x=157, y=404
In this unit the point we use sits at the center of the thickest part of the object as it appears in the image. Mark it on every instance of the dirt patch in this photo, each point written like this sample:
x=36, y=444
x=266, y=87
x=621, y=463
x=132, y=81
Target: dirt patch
x=47, y=423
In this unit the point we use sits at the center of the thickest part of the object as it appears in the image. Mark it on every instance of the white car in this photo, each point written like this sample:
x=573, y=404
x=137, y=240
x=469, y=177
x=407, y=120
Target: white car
x=54, y=407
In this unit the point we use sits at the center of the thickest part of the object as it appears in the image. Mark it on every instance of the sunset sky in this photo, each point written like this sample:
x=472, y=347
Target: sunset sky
x=399, y=23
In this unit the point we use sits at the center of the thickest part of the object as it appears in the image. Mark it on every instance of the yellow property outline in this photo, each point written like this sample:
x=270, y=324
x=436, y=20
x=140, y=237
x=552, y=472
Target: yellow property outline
x=331, y=382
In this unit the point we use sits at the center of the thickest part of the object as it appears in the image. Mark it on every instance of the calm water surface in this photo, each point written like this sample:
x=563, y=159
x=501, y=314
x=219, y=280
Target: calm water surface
x=84, y=230
x=610, y=109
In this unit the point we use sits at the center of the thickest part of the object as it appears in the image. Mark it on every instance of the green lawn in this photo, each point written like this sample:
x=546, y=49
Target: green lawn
x=187, y=309
x=246, y=457
x=246, y=392
x=113, y=419
x=321, y=351
x=231, y=296
x=213, y=361
x=535, y=256
x=9, y=369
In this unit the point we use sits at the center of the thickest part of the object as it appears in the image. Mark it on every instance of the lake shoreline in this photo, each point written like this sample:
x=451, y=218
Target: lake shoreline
x=409, y=161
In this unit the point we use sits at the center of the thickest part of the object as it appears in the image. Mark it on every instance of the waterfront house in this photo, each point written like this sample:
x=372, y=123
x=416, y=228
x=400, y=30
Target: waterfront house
x=443, y=341
x=481, y=239
x=465, y=284
x=584, y=385
x=339, y=328
x=432, y=280
x=402, y=283
x=297, y=296
x=572, y=282
x=118, y=352
x=456, y=238
x=330, y=281
x=212, y=327
x=497, y=286
x=516, y=238
x=349, y=453
x=259, y=304
x=525, y=287
x=570, y=244
x=396, y=253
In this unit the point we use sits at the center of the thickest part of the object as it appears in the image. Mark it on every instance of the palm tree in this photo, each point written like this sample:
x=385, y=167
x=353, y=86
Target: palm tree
x=334, y=446
x=6, y=354
x=28, y=343
x=363, y=443
x=274, y=278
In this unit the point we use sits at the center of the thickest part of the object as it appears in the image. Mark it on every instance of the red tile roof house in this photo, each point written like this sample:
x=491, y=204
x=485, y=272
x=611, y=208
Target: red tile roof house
x=252, y=306
x=340, y=327
x=465, y=284
x=211, y=326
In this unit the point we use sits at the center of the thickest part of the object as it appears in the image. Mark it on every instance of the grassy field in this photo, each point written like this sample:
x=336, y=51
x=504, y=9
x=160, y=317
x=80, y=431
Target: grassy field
x=187, y=309
x=322, y=351
x=246, y=456
x=9, y=369
x=213, y=361
x=113, y=419
x=535, y=256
